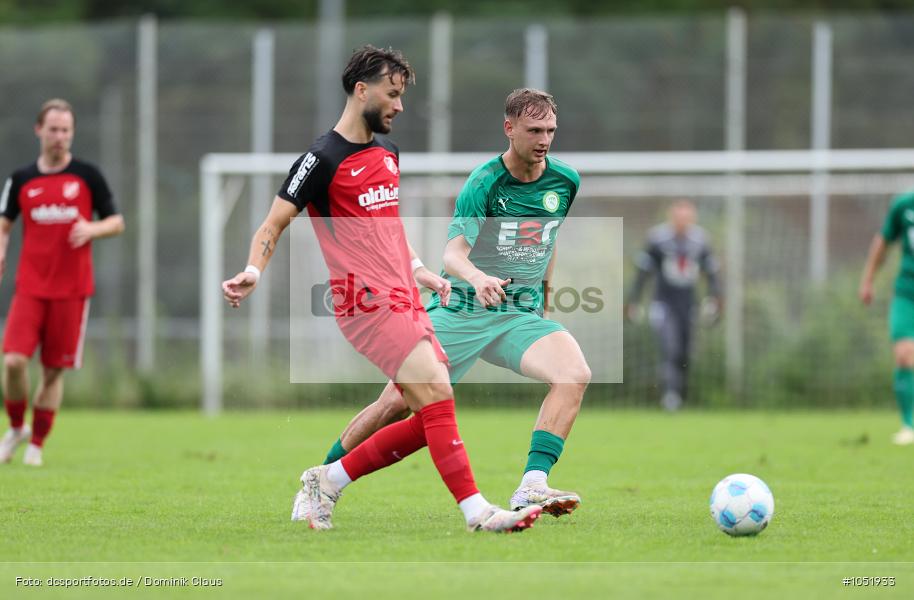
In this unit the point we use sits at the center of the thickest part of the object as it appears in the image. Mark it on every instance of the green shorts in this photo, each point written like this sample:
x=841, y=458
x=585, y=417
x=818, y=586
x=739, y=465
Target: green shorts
x=500, y=338
x=901, y=318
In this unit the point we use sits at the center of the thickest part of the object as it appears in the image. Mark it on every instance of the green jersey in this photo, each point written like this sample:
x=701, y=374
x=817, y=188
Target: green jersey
x=899, y=224
x=511, y=227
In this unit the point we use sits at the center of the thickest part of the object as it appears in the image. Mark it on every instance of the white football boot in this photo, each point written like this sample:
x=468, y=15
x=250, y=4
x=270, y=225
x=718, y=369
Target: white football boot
x=301, y=506
x=12, y=439
x=904, y=437
x=32, y=456
x=321, y=497
x=553, y=502
x=499, y=520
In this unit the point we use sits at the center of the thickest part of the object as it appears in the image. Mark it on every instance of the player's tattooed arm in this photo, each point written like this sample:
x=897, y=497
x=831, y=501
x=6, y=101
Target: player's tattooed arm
x=268, y=239
x=263, y=245
x=267, y=236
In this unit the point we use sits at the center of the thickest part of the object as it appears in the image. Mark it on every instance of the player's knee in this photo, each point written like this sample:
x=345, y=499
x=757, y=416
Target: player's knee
x=441, y=391
x=904, y=355
x=15, y=362
x=394, y=403
x=51, y=376
x=578, y=374
x=423, y=394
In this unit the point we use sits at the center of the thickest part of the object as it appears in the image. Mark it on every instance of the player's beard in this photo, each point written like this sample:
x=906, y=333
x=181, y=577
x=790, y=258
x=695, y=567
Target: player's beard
x=56, y=154
x=375, y=121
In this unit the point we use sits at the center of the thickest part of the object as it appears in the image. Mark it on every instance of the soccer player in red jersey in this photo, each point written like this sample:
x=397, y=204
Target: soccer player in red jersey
x=349, y=183
x=57, y=196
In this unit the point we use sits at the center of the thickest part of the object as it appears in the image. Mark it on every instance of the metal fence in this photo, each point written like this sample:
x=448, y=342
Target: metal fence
x=624, y=84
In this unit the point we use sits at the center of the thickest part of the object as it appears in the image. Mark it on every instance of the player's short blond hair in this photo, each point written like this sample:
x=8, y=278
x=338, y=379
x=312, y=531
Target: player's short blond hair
x=54, y=104
x=534, y=103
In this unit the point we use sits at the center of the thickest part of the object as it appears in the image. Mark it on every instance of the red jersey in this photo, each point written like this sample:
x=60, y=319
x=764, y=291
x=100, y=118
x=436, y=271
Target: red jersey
x=50, y=203
x=352, y=193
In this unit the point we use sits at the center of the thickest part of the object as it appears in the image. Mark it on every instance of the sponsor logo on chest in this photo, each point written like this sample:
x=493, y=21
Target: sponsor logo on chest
x=50, y=214
x=525, y=241
x=379, y=197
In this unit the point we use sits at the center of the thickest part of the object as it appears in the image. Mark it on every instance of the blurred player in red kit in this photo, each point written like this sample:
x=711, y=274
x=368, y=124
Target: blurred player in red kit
x=57, y=196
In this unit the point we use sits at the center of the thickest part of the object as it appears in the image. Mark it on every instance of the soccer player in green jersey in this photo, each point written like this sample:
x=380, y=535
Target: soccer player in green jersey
x=899, y=225
x=499, y=259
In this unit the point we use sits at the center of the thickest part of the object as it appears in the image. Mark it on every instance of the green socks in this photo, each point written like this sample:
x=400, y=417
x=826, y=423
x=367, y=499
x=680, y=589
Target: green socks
x=545, y=450
x=335, y=453
x=904, y=394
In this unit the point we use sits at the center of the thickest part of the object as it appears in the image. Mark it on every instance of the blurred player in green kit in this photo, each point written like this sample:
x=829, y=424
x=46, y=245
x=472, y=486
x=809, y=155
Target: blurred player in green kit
x=898, y=226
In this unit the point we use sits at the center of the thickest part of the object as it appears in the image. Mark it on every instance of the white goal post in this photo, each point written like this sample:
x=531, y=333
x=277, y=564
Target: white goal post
x=731, y=175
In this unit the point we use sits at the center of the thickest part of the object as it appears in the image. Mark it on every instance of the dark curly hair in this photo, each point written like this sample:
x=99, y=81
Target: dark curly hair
x=368, y=64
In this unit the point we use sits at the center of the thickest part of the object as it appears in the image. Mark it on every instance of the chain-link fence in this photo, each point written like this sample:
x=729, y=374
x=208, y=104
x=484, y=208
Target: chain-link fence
x=625, y=84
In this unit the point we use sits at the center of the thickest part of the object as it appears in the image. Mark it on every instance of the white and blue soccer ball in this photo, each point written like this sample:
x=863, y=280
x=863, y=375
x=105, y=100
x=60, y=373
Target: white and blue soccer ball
x=742, y=504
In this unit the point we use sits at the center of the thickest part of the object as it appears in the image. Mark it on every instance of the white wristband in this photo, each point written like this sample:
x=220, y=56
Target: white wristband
x=417, y=263
x=253, y=271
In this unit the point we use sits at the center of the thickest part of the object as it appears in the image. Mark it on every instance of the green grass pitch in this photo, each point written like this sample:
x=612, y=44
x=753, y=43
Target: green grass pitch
x=170, y=495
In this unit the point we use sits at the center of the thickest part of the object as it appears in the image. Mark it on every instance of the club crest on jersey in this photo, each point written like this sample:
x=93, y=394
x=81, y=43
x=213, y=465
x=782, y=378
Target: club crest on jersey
x=391, y=165
x=551, y=201
x=70, y=190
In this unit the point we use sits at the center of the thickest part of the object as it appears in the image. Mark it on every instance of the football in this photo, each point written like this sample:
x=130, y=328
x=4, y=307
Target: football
x=742, y=504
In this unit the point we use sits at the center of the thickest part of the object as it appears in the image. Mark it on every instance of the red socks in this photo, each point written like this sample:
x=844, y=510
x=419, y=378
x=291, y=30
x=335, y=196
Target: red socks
x=16, y=411
x=446, y=448
x=434, y=425
x=385, y=447
x=42, y=420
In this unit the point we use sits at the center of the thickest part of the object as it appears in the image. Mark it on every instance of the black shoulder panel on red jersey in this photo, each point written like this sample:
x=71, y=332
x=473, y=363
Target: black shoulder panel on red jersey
x=9, y=195
x=102, y=200
x=309, y=178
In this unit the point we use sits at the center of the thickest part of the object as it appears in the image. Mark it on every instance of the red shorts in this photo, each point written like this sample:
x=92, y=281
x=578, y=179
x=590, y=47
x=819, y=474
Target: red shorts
x=387, y=337
x=58, y=325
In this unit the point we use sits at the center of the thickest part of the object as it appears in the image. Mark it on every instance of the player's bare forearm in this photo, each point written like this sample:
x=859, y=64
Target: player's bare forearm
x=5, y=227
x=109, y=227
x=489, y=289
x=547, y=278
x=412, y=252
x=457, y=260
x=263, y=245
x=874, y=260
x=265, y=239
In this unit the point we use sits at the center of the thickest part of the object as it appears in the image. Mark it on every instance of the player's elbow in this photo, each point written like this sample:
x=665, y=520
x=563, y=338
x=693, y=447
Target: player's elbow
x=449, y=263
